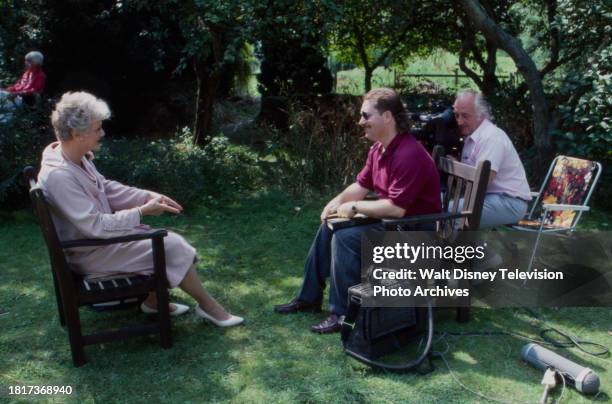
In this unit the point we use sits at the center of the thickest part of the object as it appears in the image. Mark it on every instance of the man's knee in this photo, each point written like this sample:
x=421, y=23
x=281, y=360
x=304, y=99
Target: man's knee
x=501, y=209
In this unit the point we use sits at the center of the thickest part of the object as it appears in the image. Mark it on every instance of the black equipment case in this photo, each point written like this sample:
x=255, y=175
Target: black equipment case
x=371, y=332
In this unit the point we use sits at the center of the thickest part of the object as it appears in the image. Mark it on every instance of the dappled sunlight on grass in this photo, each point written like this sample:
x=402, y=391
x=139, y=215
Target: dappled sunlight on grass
x=465, y=357
x=251, y=257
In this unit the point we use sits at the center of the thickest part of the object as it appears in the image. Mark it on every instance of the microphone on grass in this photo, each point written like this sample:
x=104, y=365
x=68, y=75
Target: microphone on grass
x=584, y=379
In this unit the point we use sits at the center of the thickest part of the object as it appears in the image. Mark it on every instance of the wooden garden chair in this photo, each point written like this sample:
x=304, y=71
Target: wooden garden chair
x=73, y=291
x=462, y=200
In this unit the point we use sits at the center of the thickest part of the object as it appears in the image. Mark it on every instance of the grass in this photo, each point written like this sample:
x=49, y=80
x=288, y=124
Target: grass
x=252, y=254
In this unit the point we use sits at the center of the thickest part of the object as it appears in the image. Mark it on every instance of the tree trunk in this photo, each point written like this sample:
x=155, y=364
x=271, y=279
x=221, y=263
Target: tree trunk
x=205, y=96
x=208, y=85
x=367, y=83
x=492, y=32
x=489, y=81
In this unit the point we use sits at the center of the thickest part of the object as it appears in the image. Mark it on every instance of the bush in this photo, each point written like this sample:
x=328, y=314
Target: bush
x=23, y=137
x=170, y=166
x=180, y=170
x=322, y=148
x=586, y=119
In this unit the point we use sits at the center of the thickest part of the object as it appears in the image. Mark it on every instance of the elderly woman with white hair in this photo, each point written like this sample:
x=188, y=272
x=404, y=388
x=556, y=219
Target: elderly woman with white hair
x=87, y=205
x=32, y=81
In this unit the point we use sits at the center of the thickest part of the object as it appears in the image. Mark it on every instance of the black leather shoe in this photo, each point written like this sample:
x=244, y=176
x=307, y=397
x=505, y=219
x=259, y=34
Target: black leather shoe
x=329, y=325
x=296, y=305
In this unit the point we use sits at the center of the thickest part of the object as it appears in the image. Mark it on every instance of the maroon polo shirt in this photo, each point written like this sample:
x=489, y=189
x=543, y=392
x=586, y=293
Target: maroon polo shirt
x=405, y=174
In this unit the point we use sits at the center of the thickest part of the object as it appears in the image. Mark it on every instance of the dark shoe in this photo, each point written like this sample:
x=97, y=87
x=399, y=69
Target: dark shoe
x=296, y=305
x=329, y=325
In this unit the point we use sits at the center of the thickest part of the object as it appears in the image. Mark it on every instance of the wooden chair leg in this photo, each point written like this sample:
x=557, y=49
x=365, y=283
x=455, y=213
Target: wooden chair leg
x=159, y=264
x=165, y=327
x=463, y=314
x=60, y=305
x=75, y=336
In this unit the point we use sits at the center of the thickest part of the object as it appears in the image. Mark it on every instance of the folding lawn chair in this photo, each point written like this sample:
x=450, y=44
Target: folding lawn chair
x=562, y=199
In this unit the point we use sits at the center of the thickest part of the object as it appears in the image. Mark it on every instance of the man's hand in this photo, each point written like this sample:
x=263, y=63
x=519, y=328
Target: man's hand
x=346, y=210
x=159, y=205
x=328, y=210
x=353, y=192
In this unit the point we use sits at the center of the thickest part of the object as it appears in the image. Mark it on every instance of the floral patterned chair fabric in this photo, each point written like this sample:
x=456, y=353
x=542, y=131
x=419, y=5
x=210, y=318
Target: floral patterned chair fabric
x=563, y=198
x=569, y=183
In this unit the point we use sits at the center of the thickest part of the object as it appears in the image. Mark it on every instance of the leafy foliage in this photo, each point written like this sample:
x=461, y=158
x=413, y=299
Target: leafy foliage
x=379, y=33
x=24, y=133
x=292, y=35
x=586, y=119
x=171, y=166
x=179, y=169
x=323, y=147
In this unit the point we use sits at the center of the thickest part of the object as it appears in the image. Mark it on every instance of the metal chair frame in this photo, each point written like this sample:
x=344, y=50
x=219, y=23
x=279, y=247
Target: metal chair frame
x=555, y=207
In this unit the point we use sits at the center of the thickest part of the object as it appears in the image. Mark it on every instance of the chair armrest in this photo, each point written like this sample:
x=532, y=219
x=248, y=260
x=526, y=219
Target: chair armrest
x=558, y=206
x=159, y=233
x=424, y=218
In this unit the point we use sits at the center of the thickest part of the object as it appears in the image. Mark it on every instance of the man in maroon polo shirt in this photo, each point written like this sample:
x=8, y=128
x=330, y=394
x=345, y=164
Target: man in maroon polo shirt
x=406, y=180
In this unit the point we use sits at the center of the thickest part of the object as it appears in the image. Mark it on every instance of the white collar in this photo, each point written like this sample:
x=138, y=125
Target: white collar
x=475, y=136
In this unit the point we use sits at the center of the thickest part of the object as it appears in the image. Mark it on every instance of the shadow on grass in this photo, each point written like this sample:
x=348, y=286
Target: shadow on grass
x=251, y=257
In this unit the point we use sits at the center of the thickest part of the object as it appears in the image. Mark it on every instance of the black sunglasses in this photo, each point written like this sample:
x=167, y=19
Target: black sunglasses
x=365, y=115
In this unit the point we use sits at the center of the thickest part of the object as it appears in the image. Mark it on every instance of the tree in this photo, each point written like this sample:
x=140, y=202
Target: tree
x=480, y=50
x=291, y=35
x=211, y=41
x=560, y=35
x=376, y=33
x=481, y=20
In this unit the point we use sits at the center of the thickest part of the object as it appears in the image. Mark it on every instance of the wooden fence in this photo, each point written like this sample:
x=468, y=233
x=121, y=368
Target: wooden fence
x=398, y=77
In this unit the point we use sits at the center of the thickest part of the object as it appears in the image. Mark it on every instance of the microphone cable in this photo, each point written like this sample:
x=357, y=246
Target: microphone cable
x=566, y=341
x=442, y=355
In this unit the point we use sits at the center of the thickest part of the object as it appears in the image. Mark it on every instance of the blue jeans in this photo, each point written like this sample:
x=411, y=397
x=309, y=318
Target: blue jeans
x=336, y=255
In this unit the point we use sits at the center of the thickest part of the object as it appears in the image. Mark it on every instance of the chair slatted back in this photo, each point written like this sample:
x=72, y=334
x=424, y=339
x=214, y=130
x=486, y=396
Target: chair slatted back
x=63, y=276
x=465, y=188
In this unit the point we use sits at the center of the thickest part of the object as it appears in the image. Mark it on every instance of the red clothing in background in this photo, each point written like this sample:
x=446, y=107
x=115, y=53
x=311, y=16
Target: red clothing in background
x=32, y=81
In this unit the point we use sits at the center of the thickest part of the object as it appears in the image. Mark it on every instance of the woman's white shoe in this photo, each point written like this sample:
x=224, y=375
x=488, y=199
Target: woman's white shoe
x=178, y=309
x=231, y=321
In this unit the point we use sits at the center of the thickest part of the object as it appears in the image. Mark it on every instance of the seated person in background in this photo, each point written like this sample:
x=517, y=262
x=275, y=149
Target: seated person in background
x=84, y=204
x=406, y=180
x=32, y=81
x=508, y=191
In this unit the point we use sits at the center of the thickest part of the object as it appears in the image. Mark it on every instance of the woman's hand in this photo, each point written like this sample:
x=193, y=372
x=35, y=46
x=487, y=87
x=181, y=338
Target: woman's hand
x=159, y=205
x=165, y=199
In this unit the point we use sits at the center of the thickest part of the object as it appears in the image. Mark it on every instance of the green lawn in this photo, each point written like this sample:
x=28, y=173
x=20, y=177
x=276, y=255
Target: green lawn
x=252, y=254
